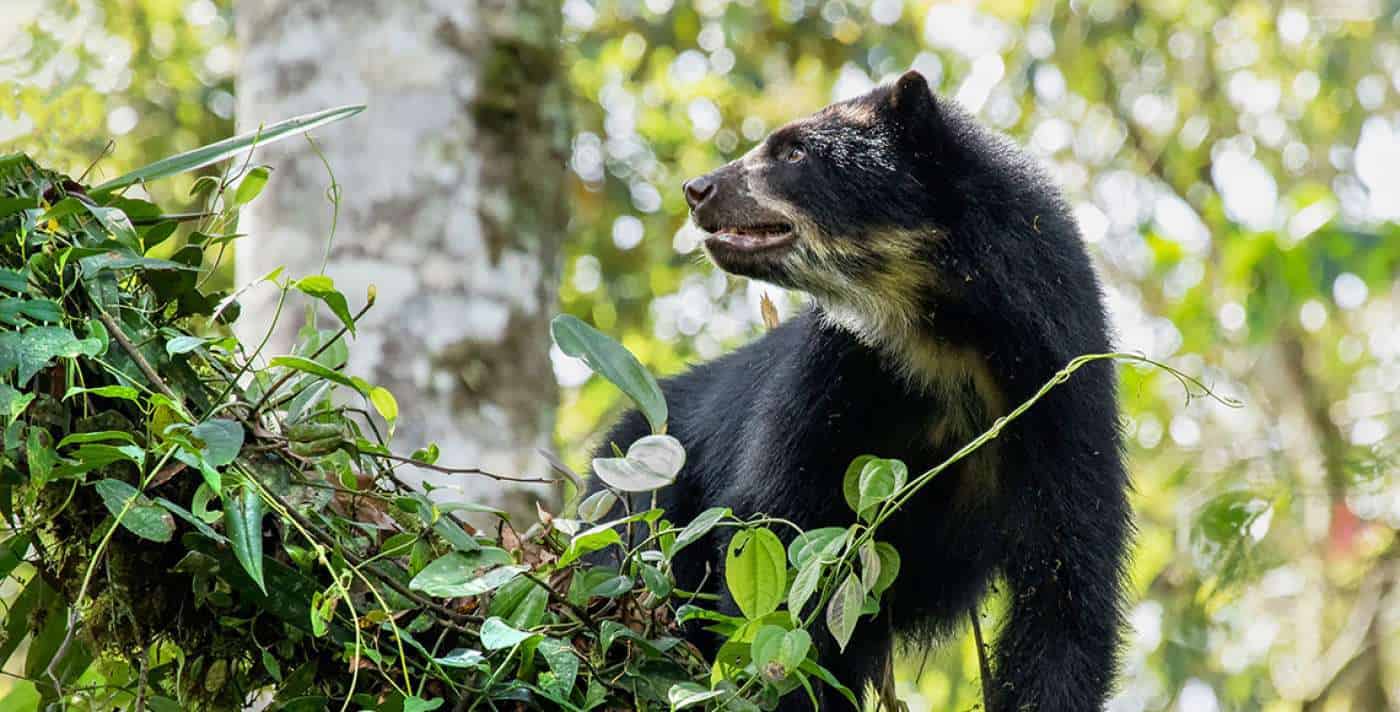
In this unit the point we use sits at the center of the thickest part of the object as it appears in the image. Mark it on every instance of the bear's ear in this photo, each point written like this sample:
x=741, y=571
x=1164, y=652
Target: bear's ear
x=913, y=107
x=911, y=94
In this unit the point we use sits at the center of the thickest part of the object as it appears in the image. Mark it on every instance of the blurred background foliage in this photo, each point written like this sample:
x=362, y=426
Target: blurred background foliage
x=1235, y=167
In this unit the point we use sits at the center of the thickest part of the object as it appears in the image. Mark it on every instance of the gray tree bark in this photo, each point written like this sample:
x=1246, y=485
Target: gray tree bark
x=452, y=206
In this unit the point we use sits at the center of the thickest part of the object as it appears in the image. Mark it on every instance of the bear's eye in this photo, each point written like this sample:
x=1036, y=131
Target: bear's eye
x=792, y=154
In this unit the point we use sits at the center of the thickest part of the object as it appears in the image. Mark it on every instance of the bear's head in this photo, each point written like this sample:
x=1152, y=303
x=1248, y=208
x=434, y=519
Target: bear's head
x=878, y=207
x=913, y=227
x=847, y=205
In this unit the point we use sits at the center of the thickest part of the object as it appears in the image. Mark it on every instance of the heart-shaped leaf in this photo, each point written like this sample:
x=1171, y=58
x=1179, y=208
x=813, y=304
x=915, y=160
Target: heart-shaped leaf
x=652, y=462
x=755, y=571
x=455, y=575
x=597, y=505
x=497, y=634
x=138, y=514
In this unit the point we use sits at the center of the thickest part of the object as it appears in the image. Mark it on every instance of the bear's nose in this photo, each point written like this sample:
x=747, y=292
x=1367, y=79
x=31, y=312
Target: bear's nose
x=697, y=190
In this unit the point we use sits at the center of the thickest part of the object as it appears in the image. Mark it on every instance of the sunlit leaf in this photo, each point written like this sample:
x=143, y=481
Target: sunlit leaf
x=755, y=571
x=251, y=185
x=612, y=361
x=215, y=152
x=652, y=462
x=323, y=288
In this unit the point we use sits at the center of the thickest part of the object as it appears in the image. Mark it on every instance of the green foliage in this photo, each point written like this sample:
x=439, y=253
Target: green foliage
x=272, y=511
x=614, y=363
x=1068, y=77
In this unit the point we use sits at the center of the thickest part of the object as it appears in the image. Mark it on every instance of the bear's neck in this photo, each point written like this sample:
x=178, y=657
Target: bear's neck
x=924, y=362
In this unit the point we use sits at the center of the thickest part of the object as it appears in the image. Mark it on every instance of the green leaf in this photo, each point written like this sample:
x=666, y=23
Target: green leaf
x=766, y=643
x=455, y=575
x=12, y=552
x=597, y=505
x=223, y=439
x=809, y=544
x=755, y=572
x=812, y=668
x=193, y=521
x=793, y=649
x=14, y=280
x=183, y=344
x=879, y=480
x=612, y=361
x=455, y=535
x=869, y=566
x=384, y=403
x=462, y=658
x=652, y=462
x=530, y=611
x=414, y=703
x=243, y=516
x=690, y=612
x=698, y=527
x=203, y=156
x=100, y=436
x=843, y=610
x=323, y=288
x=306, y=365
x=115, y=260
x=251, y=185
x=496, y=634
x=28, y=352
x=116, y=392
x=41, y=310
x=115, y=222
x=563, y=662
x=889, y=566
x=589, y=541
x=269, y=662
x=509, y=597
x=40, y=457
x=90, y=457
x=658, y=583
x=612, y=587
x=684, y=695
x=135, y=511
x=12, y=403
x=850, y=483
x=803, y=586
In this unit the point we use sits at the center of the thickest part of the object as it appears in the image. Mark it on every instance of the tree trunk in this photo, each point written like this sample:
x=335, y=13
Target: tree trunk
x=451, y=206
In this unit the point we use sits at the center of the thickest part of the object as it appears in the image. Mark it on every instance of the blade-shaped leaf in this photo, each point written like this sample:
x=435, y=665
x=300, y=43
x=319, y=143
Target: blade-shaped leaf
x=698, y=527
x=229, y=147
x=614, y=362
x=243, y=522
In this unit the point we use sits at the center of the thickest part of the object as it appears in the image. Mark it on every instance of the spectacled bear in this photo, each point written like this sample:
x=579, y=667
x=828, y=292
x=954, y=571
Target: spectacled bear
x=948, y=283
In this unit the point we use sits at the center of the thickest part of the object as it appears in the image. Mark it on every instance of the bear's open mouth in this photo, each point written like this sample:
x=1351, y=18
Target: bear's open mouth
x=752, y=238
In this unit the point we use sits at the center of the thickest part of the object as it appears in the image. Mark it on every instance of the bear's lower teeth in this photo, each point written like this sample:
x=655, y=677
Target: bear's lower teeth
x=760, y=231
